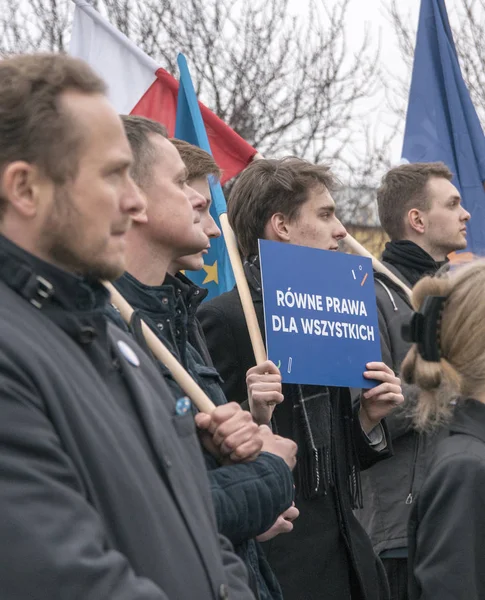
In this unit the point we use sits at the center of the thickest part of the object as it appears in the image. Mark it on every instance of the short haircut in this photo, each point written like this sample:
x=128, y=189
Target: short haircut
x=268, y=187
x=33, y=125
x=404, y=188
x=199, y=163
x=138, y=131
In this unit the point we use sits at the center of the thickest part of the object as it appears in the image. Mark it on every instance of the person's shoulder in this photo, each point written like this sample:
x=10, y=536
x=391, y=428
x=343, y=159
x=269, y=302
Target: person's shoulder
x=458, y=463
x=222, y=305
x=390, y=296
x=461, y=449
x=17, y=316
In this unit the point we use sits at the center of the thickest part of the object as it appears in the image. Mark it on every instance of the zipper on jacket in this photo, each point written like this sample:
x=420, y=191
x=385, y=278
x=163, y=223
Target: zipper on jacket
x=391, y=297
x=409, y=499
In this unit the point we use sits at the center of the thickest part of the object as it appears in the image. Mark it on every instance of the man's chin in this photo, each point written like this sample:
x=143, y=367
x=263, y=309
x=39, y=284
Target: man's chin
x=193, y=265
x=106, y=271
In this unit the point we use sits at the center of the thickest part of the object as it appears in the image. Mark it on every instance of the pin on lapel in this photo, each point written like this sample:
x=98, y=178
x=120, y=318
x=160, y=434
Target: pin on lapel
x=128, y=353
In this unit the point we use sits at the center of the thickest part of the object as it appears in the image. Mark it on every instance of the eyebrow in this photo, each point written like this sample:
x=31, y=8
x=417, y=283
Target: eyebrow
x=326, y=208
x=119, y=163
x=454, y=197
x=182, y=173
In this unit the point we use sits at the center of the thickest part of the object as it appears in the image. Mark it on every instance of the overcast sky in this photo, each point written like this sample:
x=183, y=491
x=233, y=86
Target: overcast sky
x=372, y=14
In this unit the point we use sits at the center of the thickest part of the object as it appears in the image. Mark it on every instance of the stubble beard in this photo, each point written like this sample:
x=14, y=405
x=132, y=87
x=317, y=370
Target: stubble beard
x=64, y=245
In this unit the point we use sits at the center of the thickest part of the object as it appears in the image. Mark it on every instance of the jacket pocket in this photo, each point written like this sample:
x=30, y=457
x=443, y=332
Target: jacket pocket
x=184, y=425
x=210, y=381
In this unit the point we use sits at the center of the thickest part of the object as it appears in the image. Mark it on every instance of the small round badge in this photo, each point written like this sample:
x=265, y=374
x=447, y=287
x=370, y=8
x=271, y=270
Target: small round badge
x=182, y=406
x=128, y=353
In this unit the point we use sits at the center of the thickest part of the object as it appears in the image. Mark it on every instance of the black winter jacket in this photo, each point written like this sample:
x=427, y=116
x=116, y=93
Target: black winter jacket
x=447, y=525
x=247, y=497
x=328, y=554
x=389, y=488
x=103, y=490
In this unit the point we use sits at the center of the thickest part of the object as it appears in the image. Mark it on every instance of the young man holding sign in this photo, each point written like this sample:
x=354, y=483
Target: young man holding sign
x=328, y=554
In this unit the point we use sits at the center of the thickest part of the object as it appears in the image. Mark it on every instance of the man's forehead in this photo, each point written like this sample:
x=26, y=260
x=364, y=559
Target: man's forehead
x=441, y=189
x=97, y=124
x=89, y=110
x=167, y=154
x=201, y=185
x=321, y=197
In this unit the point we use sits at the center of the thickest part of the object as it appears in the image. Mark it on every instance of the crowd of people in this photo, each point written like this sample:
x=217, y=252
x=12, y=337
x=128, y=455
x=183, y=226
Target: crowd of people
x=112, y=485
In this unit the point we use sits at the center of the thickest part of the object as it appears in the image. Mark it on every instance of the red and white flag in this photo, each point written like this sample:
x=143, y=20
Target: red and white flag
x=137, y=85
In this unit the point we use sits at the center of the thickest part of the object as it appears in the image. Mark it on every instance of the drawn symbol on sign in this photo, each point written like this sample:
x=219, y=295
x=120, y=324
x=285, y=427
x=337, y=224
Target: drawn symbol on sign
x=353, y=273
x=279, y=364
x=290, y=361
x=360, y=267
x=363, y=280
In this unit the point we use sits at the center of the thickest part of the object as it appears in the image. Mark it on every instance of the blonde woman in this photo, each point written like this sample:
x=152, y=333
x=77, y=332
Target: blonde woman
x=447, y=362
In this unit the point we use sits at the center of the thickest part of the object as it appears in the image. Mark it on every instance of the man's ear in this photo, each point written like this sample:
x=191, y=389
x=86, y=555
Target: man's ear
x=277, y=228
x=416, y=220
x=21, y=185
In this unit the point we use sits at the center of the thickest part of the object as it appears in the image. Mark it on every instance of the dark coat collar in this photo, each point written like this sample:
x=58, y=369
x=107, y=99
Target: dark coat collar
x=45, y=285
x=157, y=299
x=192, y=294
x=175, y=292
x=252, y=270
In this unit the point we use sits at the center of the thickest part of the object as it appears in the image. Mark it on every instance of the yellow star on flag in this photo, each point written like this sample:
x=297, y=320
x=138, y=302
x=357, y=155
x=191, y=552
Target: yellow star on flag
x=212, y=274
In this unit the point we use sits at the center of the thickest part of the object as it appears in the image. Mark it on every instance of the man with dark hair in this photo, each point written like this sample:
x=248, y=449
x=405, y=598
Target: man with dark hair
x=328, y=554
x=420, y=209
x=248, y=497
x=103, y=491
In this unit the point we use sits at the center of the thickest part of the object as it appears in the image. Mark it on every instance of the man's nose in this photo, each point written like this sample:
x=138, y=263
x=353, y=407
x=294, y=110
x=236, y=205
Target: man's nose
x=197, y=200
x=134, y=200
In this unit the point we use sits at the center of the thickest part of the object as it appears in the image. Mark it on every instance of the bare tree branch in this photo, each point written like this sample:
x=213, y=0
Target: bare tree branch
x=288, y=84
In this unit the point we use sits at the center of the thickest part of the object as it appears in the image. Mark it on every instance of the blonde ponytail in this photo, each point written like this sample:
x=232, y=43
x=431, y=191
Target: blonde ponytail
x=462, y=347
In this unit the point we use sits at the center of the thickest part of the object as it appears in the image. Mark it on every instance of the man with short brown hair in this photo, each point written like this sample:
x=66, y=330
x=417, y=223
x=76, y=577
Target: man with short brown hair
x=418, y=203
x=328, y=554
x=103, y=490
x=420, y=209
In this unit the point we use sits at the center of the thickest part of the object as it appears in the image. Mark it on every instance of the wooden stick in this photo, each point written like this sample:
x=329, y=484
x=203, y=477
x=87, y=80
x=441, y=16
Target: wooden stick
x=185, y=381
x=243, y=289
x=354, y=245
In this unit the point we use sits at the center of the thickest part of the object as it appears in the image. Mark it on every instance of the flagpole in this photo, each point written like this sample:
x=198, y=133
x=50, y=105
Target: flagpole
x=220, y=206
x=243, y=289
x=185, y=381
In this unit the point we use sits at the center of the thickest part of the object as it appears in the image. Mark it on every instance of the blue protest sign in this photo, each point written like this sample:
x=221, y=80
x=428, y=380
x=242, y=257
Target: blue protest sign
x=320, y=314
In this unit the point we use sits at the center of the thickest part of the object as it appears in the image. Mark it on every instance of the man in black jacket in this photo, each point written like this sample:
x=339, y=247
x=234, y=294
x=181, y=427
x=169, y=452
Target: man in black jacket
x=328, y=554
x=103, y=490
x=248, y=497
x=420, y=210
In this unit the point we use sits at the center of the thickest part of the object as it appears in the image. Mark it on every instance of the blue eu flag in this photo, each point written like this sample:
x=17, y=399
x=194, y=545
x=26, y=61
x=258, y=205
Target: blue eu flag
x=441, y=122
x=217, y=275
